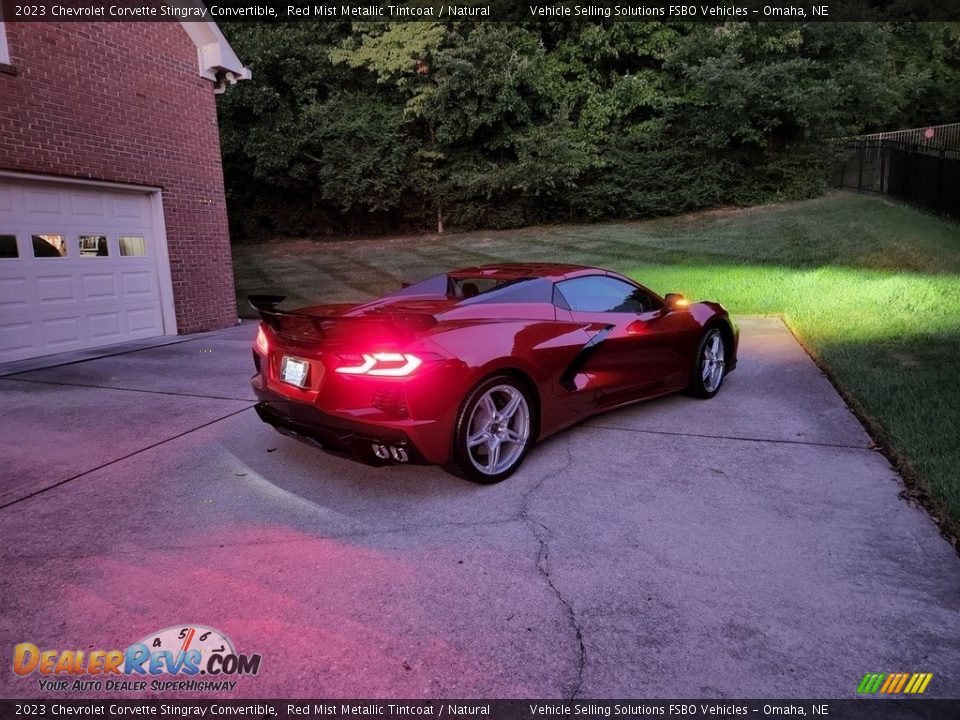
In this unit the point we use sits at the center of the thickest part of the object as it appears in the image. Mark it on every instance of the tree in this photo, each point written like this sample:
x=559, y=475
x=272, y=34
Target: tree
x=495, y=124
x=399, y=56
x=765, y=99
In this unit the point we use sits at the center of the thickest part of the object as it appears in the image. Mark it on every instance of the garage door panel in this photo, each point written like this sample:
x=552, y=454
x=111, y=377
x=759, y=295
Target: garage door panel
x=14, y=293
x=88, y=205
x=62, y=331
x=143, y=321
x=138, y=285
x=98, y=293
x=55, y=289
x=131, y=208
x=99, y=286
x=43, y=202
x=15, y=337
x=105, y=326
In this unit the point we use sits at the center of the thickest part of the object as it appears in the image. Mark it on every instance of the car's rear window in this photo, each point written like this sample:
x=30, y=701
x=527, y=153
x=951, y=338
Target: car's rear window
x=456, y=287
x=468, y=287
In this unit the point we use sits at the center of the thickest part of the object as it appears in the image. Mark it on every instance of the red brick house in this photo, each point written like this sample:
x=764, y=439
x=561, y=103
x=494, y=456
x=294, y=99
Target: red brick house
x=112, y=214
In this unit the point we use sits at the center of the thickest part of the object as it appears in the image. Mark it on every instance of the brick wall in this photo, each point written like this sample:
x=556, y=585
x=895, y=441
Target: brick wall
x=124, y=102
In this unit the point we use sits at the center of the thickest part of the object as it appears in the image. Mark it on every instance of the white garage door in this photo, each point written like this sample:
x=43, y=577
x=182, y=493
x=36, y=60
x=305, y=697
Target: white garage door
x=80, y=267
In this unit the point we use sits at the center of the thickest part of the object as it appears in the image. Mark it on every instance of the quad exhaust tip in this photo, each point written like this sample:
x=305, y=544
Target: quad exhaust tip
x=390, y=452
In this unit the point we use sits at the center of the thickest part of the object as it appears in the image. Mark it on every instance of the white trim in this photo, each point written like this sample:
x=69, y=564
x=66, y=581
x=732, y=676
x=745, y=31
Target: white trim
x=217, y=60
x=4, y=48
x=161, y=252
x=14, y=175
x=167, y=307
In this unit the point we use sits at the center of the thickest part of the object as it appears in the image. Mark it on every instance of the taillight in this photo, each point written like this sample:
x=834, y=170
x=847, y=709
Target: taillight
x=262, y=343
x=384, y=364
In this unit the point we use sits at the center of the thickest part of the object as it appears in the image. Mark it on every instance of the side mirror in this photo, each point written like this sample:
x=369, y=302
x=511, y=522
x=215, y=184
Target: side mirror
x=675, y=301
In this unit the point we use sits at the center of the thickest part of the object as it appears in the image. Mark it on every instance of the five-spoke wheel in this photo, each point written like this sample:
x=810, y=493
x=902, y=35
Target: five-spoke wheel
x=711, y=364
x=494, y=430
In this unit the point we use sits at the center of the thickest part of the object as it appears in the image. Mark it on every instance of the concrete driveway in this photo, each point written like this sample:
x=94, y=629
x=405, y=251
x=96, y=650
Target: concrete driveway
x=749, y=546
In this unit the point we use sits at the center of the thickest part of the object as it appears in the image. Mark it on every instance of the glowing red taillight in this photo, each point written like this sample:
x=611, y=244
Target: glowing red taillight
x=262, y=343
x=383, y=364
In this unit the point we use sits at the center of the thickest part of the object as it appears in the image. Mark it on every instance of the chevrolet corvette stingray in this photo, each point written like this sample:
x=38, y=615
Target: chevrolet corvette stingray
x=470, y=368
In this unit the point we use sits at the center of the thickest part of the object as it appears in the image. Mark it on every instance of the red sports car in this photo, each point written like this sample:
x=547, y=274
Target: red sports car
x=468, y=369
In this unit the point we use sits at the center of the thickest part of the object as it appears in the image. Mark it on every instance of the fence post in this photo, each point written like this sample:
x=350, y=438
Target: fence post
x=940, y=165
x=860, y=146
x=907, y=176
x=883, y=166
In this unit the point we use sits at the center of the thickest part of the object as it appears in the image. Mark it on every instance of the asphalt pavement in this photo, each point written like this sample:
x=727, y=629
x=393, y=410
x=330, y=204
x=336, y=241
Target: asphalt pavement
x=753, y=545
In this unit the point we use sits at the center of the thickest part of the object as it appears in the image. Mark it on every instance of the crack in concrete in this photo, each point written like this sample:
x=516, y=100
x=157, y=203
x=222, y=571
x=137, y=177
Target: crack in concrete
x=372, y=532
x=120, y=459
x=542, y=534
x=8, y=369
x=61, y=383
x=736, y=438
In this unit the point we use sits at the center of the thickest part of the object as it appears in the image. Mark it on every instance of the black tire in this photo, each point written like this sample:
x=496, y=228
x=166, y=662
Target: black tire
x=706, y=387
x=473, y=419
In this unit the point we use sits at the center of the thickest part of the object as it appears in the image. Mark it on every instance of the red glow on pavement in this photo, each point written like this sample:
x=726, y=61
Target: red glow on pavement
x=351, y=617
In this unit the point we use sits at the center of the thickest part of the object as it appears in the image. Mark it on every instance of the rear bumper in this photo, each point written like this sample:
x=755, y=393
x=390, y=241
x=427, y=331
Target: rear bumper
x=347, y=438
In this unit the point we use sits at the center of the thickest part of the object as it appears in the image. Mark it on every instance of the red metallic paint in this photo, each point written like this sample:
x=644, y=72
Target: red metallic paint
x=642, y=356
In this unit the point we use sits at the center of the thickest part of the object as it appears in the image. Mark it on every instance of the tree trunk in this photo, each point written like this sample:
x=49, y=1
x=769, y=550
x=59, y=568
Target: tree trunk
x=433, y=144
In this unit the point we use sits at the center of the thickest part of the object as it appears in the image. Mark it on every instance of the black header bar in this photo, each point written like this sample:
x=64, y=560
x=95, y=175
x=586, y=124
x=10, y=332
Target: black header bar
x=848, y=709
x=481, y=11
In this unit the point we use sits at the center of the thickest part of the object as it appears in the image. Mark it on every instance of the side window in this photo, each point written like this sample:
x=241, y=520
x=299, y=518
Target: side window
x=94, y=246
x=49, y=246
x=599, y=293
x=132, y=245
x=8, y=247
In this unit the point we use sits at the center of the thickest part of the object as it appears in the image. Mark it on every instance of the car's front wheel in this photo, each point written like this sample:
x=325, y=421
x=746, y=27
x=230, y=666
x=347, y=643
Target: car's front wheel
x=494, y=430
x=710, y=366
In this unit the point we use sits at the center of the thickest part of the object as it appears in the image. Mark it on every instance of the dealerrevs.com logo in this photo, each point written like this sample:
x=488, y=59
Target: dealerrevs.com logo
x=199, y=657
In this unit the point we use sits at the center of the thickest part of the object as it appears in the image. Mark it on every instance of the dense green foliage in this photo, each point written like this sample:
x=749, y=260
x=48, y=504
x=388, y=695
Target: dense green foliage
x=371, y=126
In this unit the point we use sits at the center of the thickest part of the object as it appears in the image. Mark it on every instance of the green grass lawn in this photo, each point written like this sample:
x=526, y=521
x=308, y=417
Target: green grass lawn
x=871, y=288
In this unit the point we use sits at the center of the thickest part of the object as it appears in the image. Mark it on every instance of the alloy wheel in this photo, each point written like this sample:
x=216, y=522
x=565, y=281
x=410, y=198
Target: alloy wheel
x=498, y=429
x=713, y=363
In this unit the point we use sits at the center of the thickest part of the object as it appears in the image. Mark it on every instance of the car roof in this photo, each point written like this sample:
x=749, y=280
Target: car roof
x=523, y=271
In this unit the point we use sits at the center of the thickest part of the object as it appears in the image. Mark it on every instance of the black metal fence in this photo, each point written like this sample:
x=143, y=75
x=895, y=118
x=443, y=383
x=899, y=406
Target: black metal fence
x=928, y=177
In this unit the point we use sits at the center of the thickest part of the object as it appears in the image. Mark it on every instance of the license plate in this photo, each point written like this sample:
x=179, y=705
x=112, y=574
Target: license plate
x=294, y=371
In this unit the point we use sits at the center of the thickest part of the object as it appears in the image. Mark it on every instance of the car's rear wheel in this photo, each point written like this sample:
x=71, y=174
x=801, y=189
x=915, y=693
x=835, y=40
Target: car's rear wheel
x=494, y=430
x=710, y=366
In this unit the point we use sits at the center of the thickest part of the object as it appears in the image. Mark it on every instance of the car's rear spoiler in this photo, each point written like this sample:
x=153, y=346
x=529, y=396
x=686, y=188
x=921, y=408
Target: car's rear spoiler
x=265, y=302
x=281, y=320
x=311, y=327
